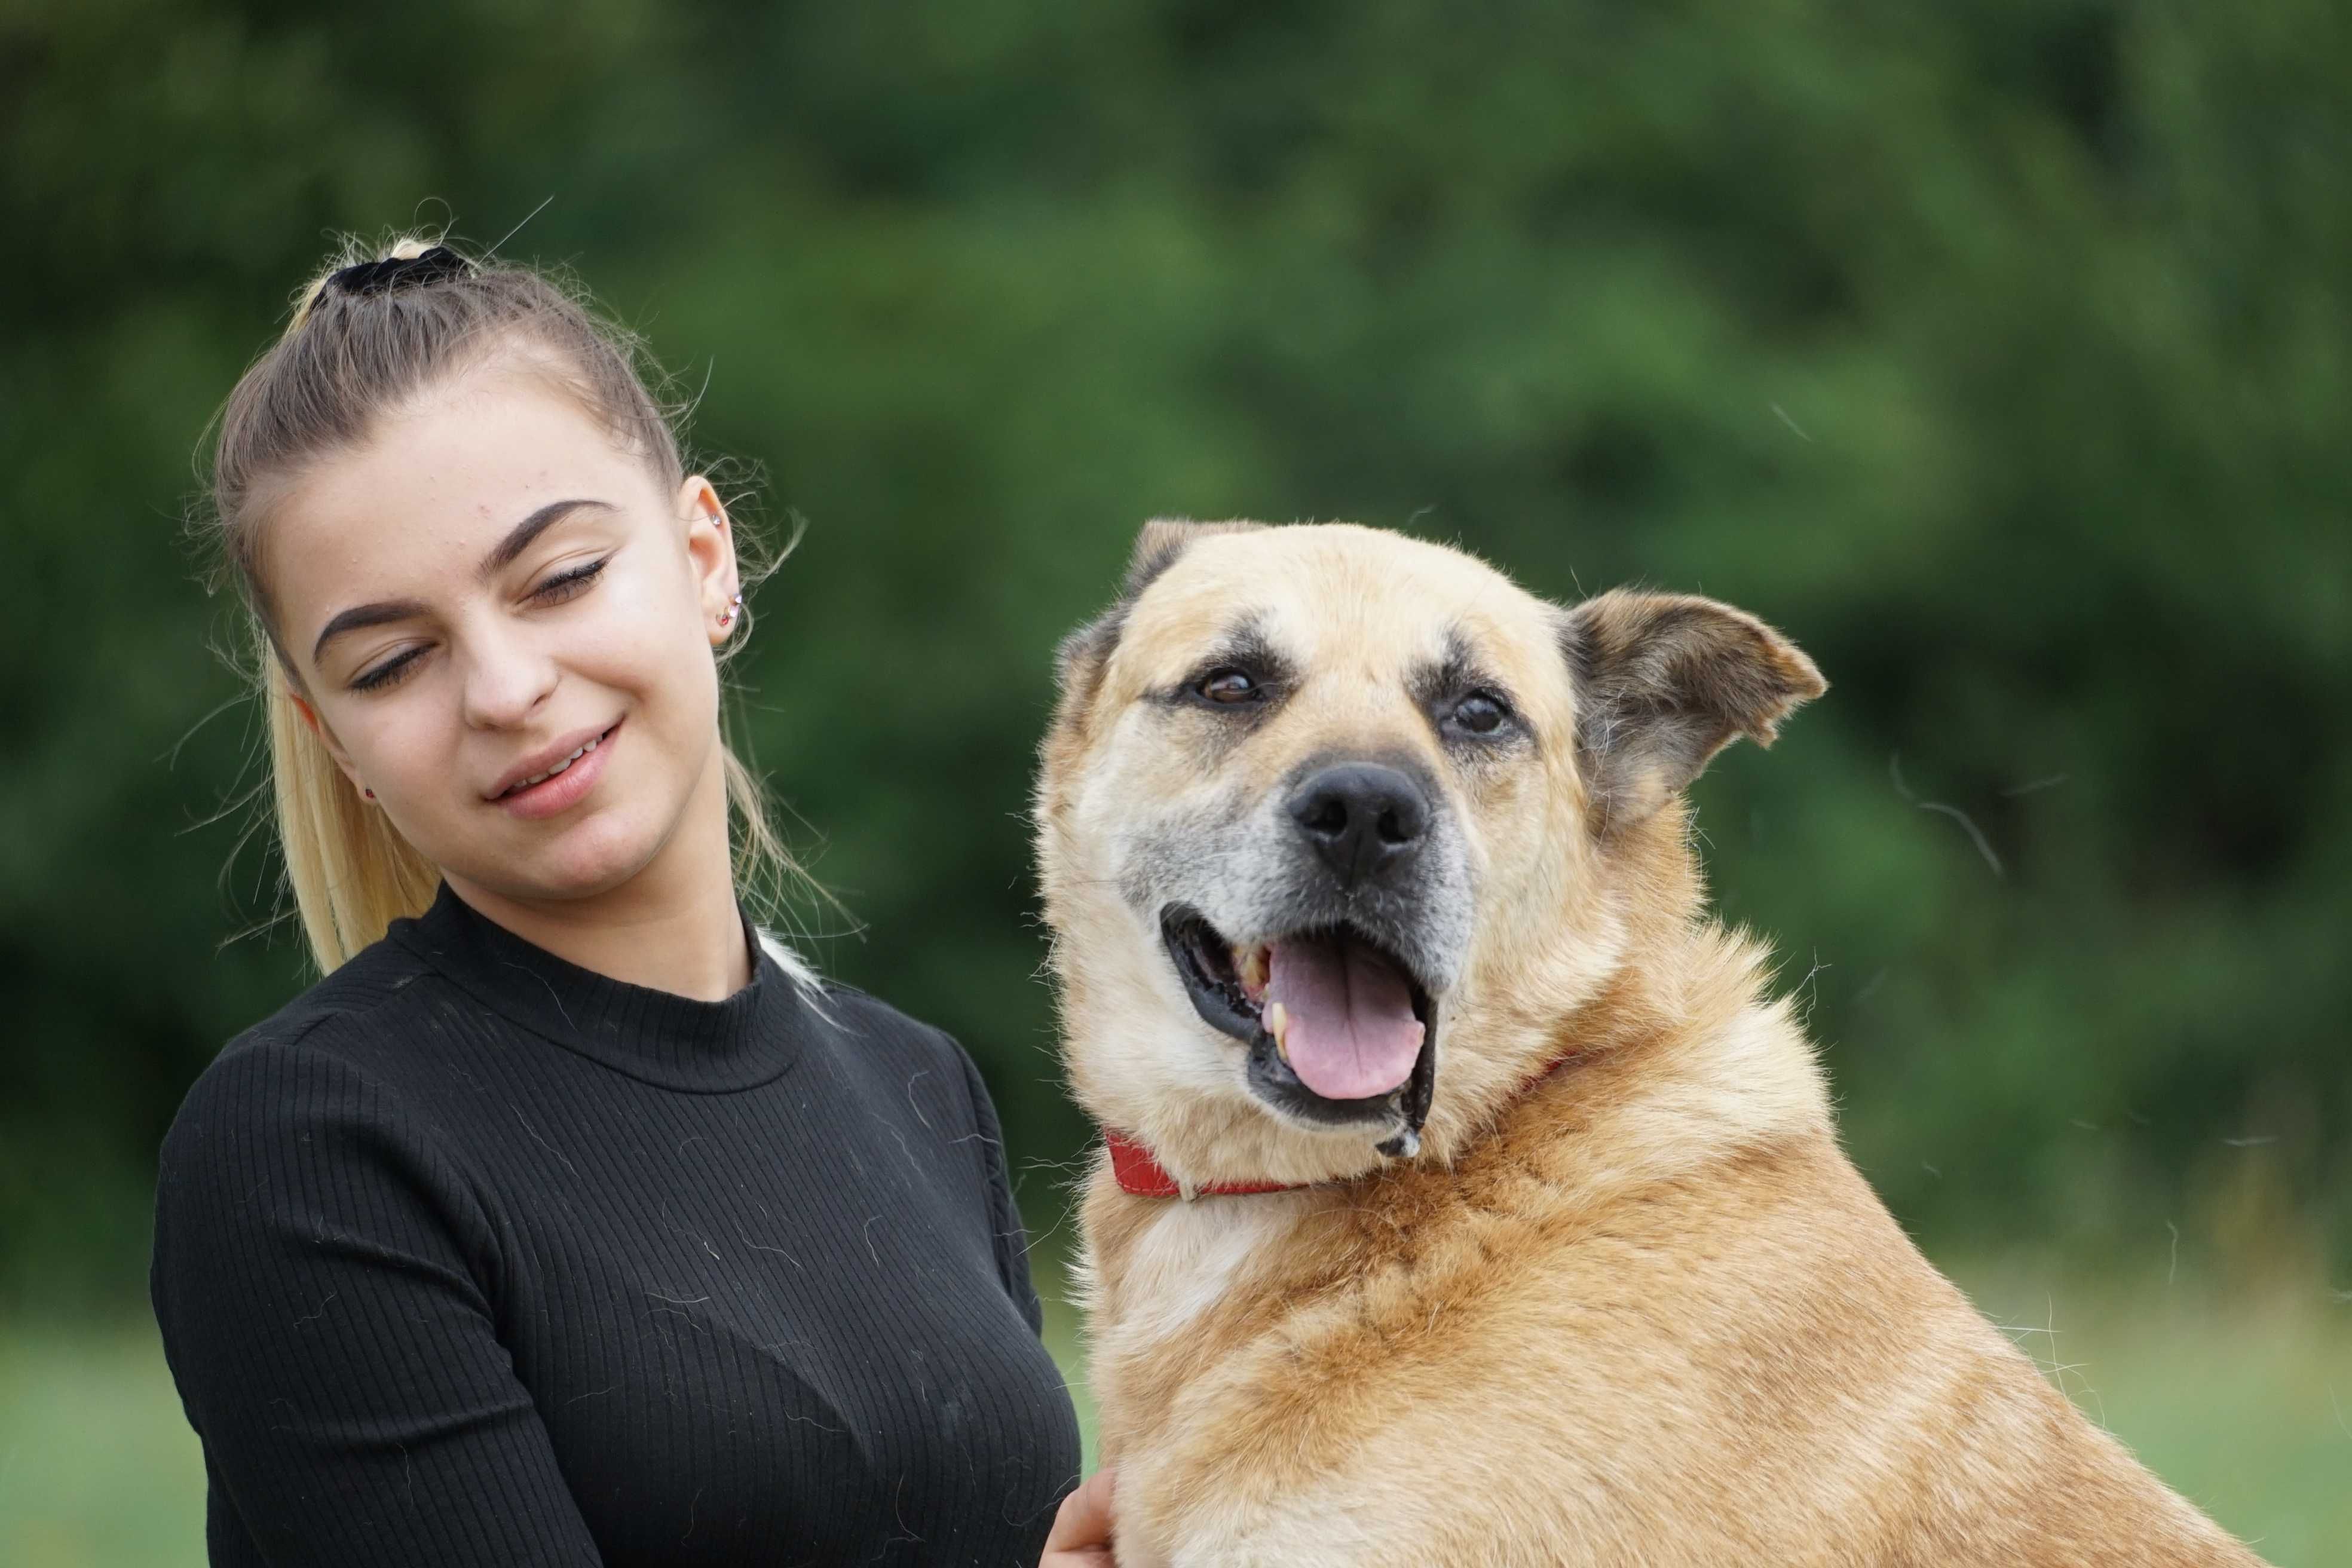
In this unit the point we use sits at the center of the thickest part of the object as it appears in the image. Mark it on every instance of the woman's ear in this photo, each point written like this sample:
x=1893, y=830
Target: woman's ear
x=1663, y=681
x=309, y=715
x=709, y=546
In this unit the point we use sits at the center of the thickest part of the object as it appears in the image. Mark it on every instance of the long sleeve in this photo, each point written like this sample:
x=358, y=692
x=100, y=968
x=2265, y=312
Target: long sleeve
x=318, y=1276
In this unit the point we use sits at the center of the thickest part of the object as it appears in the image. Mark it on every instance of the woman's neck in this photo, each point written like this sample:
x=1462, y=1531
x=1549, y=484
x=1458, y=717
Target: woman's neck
x=674, y=926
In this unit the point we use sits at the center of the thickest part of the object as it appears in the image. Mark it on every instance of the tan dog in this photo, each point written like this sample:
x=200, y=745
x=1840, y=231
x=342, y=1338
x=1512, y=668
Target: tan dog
x=1344, y=840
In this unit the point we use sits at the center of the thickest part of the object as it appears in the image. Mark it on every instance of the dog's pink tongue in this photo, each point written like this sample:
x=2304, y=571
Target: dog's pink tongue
x=1352, y=1033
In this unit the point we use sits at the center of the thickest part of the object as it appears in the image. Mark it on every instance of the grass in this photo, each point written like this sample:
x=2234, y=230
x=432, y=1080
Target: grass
x=2243, y=1402
x=98, y=1467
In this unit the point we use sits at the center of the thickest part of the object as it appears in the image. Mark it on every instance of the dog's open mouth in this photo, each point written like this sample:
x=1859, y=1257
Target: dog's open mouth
x=1339, y=1027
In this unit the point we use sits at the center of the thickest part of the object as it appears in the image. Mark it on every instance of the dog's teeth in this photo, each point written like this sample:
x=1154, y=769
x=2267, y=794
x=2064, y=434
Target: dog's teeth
x=1277, y=1024
x=1252, y=967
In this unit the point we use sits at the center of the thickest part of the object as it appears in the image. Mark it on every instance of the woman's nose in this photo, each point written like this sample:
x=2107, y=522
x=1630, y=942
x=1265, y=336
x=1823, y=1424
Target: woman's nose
x=506, y=679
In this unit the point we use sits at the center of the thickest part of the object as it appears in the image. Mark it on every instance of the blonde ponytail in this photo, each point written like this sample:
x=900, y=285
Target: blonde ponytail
x=351, y=873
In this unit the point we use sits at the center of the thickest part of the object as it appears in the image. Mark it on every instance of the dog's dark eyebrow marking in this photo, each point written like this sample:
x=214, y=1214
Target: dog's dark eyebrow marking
x=1437, y=684
x=1451, y=674
x=1246, y=646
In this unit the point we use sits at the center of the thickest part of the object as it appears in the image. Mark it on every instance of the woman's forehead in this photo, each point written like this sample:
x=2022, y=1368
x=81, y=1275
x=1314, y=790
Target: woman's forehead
x=436, y=484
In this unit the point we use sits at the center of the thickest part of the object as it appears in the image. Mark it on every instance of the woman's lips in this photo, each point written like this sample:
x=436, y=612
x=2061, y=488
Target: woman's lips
x=559, y=793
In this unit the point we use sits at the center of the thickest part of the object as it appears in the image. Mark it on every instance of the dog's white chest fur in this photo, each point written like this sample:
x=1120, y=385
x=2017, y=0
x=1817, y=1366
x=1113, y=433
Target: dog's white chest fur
x=1190, y=1256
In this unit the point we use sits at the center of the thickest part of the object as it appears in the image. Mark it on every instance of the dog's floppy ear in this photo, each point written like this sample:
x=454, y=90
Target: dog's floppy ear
x=1079, y=662
x=1663, y=681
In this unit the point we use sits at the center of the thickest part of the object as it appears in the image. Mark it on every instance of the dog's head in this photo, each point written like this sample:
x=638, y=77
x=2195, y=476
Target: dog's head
x=1319, y=796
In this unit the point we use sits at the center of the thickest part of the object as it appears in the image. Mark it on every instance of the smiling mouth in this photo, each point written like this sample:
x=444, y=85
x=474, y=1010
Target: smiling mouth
x=1340, y=1028
x=521, y=784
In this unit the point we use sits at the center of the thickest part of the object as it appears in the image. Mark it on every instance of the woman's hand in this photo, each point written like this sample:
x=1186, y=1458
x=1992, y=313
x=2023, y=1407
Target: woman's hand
x=1081, y=1533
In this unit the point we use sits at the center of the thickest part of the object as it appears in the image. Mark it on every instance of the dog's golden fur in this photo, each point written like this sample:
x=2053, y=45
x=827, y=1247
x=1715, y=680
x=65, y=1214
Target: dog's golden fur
x=1645, y=1311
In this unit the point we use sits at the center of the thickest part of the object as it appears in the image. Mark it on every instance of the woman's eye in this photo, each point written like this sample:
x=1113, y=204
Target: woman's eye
x=555, y=590
x=1480, y=713
x=391, y=672
x=1228, y=685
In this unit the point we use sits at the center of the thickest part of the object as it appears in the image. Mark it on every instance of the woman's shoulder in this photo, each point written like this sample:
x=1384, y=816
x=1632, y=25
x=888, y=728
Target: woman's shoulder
x=324, y=1046
x=854, y=1011
x=897, y=1045
x=302, y=1142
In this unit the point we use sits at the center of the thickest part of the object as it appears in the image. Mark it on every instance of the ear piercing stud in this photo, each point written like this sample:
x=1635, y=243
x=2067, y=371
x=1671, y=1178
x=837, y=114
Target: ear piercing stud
x=727, y=616
x=367, y=791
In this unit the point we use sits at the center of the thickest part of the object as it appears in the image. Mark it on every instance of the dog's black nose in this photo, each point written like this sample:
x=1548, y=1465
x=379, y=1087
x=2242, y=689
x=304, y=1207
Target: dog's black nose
x=1363, y=819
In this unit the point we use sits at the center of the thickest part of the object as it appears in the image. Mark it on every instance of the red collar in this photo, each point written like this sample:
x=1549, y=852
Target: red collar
x=1145, y=1177
x=1141, y=1174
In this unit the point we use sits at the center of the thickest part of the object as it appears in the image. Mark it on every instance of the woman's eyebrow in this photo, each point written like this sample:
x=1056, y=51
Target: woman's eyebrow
x=529, y=528
x=360, y=617
x=502, y=555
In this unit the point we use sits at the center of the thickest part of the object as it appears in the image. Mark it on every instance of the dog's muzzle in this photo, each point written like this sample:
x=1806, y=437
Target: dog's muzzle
x=1339, y=1030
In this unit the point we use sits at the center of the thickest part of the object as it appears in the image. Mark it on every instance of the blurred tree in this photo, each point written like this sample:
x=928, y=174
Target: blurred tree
x=1998, y=352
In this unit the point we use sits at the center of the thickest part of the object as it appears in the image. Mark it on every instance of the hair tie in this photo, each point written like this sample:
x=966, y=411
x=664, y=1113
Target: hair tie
x=400, y=272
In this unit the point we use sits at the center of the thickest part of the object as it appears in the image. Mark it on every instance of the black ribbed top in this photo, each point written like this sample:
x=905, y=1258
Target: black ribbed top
x=473, y=1256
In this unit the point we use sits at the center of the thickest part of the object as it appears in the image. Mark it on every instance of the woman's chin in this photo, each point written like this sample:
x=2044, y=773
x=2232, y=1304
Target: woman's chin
x=591, y=864
x=600, y=853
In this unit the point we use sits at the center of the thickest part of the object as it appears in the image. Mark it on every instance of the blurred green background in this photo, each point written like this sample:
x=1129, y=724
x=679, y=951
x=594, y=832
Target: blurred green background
x=1998, y=352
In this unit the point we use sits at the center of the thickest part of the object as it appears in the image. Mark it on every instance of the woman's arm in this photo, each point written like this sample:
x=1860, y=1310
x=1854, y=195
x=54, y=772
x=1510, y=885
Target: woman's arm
x=1004, y=1213
x=316, y=1276
x=1081, y=1536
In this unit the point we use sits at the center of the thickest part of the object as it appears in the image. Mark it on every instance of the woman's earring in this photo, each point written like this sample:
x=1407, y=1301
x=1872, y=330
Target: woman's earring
x=367, y=791
x=727, y=616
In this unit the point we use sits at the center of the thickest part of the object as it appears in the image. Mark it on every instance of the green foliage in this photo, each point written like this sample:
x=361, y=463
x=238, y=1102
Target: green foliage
x=1996, y=351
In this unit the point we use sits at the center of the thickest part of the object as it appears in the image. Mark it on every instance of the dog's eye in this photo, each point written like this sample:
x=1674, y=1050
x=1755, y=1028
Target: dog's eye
x=1228, y=684
x=1480, y=713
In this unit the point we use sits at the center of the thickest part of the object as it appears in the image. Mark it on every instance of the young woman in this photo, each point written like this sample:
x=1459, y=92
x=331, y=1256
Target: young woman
x=567, y=1219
